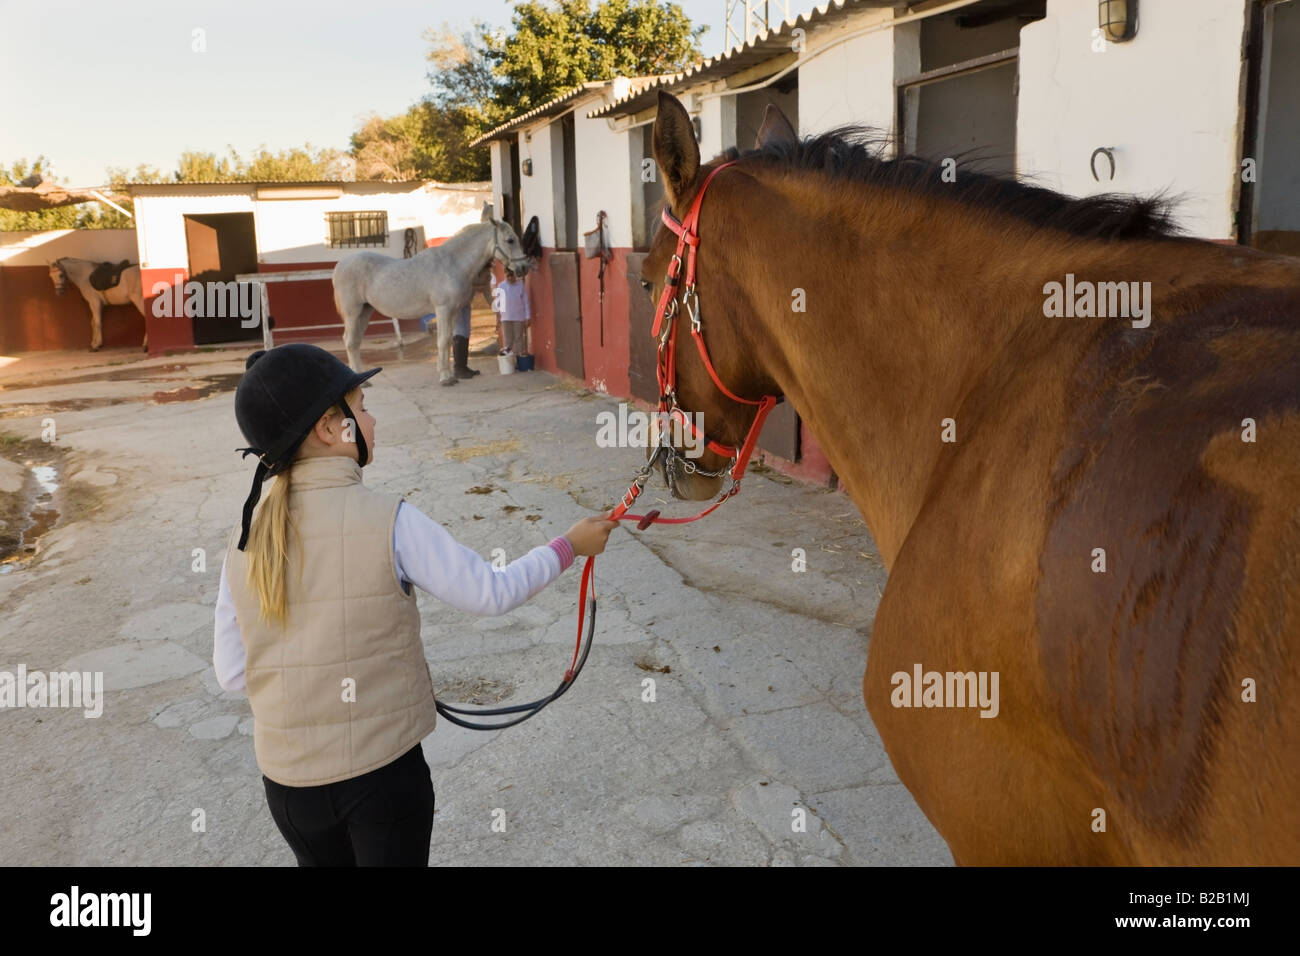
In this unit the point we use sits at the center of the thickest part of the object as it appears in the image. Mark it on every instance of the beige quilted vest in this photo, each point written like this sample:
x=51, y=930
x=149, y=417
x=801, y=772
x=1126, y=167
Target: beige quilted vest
x=343, y=688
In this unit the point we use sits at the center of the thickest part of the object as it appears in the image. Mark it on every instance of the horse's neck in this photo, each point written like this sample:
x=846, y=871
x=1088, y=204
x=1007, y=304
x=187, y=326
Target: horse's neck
x=78, y=270
x=470, y=249
x=901, y=320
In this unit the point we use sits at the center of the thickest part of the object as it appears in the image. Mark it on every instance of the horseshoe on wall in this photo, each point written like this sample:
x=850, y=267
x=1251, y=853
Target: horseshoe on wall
x=1106, y=151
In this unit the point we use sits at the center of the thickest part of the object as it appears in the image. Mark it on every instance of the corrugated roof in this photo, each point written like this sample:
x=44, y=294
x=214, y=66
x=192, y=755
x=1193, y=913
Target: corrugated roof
x=255, y=183
x=766, y=46
x=558, y=105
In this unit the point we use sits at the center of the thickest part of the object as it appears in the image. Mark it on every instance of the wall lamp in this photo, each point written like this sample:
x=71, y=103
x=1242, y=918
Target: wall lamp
x=1117, y=19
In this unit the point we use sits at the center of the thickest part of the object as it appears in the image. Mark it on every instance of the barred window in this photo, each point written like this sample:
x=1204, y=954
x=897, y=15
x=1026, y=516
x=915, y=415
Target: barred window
x=353, y=229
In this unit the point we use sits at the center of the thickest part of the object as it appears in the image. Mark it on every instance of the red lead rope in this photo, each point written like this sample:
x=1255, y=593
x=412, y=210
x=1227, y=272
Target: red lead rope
x=688, y=241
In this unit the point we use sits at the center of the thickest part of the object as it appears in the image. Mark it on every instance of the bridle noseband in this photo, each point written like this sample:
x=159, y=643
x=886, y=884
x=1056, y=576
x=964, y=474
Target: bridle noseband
x=664, y=329
x=502, y=256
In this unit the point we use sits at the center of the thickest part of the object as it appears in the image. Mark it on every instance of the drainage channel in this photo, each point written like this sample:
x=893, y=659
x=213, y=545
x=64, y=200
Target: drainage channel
x=28, y=514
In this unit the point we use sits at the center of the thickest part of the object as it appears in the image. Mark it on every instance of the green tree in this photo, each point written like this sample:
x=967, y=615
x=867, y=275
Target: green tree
x=555, y=47
x=482, y=77
x=392, y=148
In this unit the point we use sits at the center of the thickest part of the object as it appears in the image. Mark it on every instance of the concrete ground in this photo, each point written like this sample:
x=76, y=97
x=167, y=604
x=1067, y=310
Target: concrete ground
x=757, y=668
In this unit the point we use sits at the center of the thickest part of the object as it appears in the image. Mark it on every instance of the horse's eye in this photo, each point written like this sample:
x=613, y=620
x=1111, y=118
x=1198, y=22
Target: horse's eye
x=647, y=285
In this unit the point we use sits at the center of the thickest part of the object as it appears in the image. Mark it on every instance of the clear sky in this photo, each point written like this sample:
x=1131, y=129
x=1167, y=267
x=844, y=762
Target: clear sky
x=98, y=83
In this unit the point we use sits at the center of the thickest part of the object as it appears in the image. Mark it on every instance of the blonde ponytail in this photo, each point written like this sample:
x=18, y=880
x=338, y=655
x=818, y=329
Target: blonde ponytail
x=268, y=540
x=268, y=550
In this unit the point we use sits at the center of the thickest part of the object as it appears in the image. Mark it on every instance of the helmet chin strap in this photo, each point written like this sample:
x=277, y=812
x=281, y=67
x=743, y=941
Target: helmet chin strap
x=363, y=453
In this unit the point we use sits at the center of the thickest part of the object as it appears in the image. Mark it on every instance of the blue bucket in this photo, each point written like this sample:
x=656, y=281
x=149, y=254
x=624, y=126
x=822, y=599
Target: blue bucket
x=524, y=363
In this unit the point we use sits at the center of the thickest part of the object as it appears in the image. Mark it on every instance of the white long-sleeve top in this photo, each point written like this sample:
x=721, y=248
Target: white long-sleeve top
x=426, y=555
x=512, y=304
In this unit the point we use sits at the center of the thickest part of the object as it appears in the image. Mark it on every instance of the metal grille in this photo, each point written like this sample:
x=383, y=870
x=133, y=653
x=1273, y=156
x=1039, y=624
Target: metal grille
x=349, y=230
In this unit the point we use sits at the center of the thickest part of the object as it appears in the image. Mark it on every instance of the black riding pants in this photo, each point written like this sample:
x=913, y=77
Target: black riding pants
x=381, y=818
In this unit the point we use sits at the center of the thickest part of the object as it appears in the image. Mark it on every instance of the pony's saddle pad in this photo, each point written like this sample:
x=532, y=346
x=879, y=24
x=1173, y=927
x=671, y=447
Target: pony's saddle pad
x=106, y=275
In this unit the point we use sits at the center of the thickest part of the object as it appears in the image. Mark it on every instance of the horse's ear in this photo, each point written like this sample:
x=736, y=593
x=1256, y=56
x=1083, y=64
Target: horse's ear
x=675, y=149
x=487, y=213
x=775, y=129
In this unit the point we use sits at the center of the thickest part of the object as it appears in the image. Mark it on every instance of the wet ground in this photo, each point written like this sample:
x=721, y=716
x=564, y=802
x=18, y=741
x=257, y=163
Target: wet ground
x=114, y=533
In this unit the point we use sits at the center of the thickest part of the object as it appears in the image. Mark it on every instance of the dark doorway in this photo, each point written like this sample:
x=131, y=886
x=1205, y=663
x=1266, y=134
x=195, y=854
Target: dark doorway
x=642, y=347
x=1268, y=217
x=221, y=246
x=510, y=187
x=963, y=103
x=568, y=313
x=751, y=107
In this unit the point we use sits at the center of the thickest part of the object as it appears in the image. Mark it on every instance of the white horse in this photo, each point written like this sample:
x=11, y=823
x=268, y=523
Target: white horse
x=440, y=279
x=128, y=291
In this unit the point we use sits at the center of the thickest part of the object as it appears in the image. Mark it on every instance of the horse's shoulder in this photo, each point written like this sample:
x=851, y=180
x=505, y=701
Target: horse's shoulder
x=1145, y=554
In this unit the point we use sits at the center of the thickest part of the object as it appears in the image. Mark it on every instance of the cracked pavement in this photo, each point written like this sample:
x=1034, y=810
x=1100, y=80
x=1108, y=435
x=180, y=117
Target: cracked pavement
x=757, y=669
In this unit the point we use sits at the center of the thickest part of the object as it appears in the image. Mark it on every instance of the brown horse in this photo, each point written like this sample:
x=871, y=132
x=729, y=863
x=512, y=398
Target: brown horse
x=1101, y=513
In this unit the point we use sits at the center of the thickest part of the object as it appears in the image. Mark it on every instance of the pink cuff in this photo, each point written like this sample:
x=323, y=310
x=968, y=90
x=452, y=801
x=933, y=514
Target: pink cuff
x=563, y=550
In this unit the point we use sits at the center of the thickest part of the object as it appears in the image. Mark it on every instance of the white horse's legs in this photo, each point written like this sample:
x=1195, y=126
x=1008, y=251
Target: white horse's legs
x=446, y=318
x=355, y=320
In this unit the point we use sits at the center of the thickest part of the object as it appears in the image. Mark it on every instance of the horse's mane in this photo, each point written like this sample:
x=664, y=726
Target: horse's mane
x=854, y=154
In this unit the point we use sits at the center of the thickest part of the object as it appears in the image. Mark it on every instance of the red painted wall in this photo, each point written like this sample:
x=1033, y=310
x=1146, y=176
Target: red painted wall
x=542, y=300
x=166, y=332
x=311, y=302
x=293, y=305
x=605, y=365
x=33, y=317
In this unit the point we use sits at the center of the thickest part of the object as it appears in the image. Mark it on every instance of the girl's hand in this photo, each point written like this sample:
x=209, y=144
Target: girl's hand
x=589, y=535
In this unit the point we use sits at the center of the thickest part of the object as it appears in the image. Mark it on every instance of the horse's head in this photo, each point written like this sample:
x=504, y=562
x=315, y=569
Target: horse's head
x=58, y=276
x=509, y=250
x=722, y=304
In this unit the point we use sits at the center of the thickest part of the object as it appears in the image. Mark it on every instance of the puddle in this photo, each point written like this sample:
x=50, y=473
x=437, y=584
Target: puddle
x=30, y=409
x=127, y=373
x=191, y=393
x=197, y=389
x=28, y=516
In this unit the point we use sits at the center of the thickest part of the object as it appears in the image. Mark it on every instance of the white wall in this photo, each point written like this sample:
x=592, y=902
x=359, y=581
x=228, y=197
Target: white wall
x=717, y=124
x=294, y=230
x=38, y=248
x=160, y=220
x=535, y=190
x=500, y=153
x=603, y=180
x=852, y=82
x=1166, y=101
x=449, y=207
x=291, y=231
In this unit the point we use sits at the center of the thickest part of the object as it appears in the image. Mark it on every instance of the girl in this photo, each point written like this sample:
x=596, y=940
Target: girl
x=317, y=622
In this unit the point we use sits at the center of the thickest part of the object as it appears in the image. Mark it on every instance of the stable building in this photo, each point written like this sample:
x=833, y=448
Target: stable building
x=1199, y=99
x=213, y=232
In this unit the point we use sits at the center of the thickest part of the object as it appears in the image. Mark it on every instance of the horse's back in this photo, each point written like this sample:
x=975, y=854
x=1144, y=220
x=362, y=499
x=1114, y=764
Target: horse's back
x=360, y=266
x=1168, y=605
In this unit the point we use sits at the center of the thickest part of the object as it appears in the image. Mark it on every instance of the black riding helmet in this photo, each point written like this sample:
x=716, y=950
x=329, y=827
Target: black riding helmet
x=283, y=393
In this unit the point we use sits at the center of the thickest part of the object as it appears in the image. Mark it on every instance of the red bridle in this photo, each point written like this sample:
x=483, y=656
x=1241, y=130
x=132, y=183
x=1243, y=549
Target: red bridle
x=665, y=329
